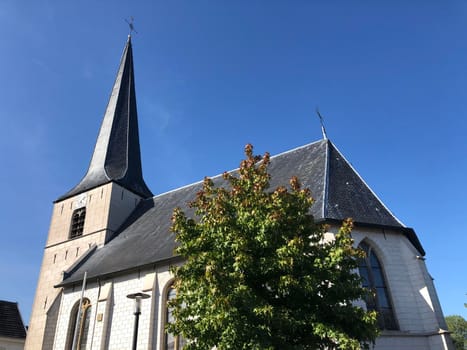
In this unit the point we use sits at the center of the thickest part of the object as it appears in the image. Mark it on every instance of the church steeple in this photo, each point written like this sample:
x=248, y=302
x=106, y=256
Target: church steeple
x=116, y=156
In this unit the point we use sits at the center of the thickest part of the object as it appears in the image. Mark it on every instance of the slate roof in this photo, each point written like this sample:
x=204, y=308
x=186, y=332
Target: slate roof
x=11, y=323
x=116, y=156
x=339, y=192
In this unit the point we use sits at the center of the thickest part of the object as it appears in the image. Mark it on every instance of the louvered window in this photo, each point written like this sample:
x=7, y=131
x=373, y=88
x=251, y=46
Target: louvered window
x=77, y=222
x=371, y=270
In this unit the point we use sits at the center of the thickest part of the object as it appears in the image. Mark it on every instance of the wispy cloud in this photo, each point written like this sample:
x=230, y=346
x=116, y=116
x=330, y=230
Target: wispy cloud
x=156, y=116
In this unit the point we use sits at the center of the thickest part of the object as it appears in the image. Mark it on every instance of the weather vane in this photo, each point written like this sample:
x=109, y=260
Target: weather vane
x=321, y=120
x=130, y=24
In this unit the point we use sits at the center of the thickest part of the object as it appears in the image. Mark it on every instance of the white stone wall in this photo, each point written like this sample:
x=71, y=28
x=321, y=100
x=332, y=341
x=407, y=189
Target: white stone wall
x=11, y=343
x=390, y=341
x=122, y=322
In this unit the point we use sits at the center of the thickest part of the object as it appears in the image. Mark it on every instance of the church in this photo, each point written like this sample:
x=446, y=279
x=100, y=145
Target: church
x=109, y=239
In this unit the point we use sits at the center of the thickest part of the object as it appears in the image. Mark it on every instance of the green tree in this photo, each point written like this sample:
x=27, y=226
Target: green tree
x=259, y=273
x=457, y=325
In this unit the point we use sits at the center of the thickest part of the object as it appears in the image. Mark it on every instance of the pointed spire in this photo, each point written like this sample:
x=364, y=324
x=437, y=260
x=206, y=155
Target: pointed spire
x=116, y=155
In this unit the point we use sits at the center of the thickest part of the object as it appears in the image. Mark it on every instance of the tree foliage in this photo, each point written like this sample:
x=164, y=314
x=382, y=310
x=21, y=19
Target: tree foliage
x=457, y=325
x=259, y=273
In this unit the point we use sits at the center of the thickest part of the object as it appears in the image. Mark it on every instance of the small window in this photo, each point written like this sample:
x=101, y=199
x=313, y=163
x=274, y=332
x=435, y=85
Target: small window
x=371, y=271
x=172, y=342
x=77, y=222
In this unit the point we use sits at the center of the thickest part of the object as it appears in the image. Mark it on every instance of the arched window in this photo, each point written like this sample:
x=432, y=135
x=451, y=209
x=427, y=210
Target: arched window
x=78, y=328
x=171, y=342
x=77, y=222
x=377, y=299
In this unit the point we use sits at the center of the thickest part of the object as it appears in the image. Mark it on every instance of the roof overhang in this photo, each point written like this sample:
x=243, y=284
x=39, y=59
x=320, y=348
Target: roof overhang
x=91, y=278
x=406, y=231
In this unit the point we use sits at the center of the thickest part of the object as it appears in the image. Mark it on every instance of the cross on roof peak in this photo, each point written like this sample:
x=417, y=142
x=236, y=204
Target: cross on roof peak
x=131, y=25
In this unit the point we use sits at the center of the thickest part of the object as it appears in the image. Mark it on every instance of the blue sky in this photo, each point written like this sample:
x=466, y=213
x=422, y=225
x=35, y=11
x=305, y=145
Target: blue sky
x=388, y=76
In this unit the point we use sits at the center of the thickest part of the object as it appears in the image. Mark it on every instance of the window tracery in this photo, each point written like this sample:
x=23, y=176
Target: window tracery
x=371, y=271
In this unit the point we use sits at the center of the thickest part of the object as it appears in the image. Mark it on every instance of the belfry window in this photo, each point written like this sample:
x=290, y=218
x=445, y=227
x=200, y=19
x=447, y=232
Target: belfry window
x=377, y=298
x=171, y=342
x=77, y=222
x=78, y=329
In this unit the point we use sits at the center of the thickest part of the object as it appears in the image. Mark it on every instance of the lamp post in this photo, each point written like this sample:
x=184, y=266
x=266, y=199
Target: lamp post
x=137, y=297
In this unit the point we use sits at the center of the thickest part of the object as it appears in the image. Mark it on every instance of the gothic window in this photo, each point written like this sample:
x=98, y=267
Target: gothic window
x=377, y=299
x=172, y=342
x=77, y=222
x=78, y=329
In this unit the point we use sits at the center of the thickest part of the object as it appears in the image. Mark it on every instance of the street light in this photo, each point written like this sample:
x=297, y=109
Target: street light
x=137, y=297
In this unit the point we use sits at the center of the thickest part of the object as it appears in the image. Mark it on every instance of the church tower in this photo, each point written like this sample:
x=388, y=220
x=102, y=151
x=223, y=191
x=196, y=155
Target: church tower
x=87, y=216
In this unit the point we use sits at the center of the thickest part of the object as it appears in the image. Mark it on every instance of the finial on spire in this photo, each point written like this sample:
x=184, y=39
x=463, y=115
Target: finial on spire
x=321, y=120
x=131, y=25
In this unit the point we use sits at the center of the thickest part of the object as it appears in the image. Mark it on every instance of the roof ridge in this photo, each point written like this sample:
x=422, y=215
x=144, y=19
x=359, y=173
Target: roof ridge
x=326, y=180
x=232, y=170
x=296, y=148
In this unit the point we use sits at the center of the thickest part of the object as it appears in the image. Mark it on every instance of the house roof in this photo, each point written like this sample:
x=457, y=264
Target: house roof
x=116, y=155
x=11, y=323
x=338, y=190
